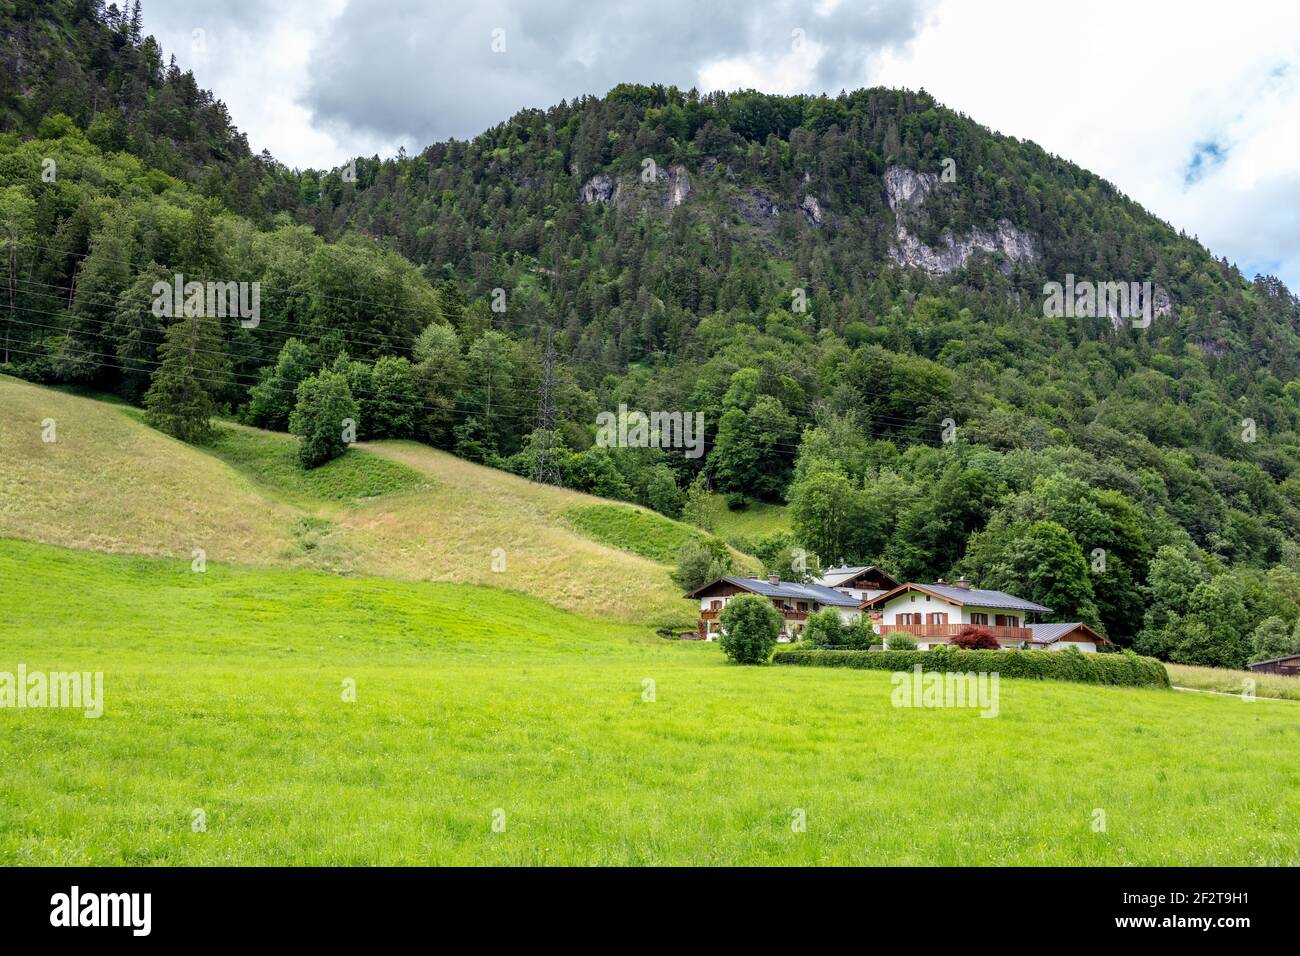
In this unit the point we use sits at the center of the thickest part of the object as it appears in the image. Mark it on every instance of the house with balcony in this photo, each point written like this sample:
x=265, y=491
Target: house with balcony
x=795, y=601
x=935, y=613
x=863, y=583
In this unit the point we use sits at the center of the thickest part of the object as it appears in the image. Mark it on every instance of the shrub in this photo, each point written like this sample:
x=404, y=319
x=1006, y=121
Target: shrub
x=750, y=627
x=272, y=399
x=824, y=629
x=900, y=641
x=861, y=634
x=1118, y=670
x=701, y=560
x=324, y=405
x=973, y=638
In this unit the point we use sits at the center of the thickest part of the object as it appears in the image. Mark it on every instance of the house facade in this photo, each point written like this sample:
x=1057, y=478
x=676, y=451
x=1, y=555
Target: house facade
x=863, y=583
x=1288, y=666
x=793, y=600
x=935, y=613
x=1060, y=637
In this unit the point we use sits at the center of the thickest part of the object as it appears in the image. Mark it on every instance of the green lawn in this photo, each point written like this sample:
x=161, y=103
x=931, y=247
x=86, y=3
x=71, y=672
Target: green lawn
x=223, y=693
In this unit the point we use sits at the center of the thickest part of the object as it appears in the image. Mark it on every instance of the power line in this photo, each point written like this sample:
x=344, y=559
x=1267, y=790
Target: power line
x=898, y=424
x=363, y=338
x=889, y=425
x=521, y=413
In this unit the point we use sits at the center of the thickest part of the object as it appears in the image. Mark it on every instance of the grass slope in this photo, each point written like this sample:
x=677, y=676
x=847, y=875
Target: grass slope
x=642, y=532
x=109, y=483
x=396, y=509
x=223, y=693
x=755, y=520
x=475, y=516
x=271, y=461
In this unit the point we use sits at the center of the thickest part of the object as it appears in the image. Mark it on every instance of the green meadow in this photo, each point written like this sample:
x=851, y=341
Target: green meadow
x=583, y=741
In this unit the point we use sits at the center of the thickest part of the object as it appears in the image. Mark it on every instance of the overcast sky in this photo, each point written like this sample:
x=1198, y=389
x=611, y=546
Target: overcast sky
x=1191, y=108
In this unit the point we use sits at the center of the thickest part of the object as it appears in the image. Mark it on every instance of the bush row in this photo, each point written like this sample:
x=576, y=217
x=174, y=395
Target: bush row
x=1126, y=669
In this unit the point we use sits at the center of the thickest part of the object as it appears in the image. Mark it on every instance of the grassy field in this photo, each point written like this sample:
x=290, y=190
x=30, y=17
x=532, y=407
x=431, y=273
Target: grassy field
x=223, y=693
x=1226, y=681
x=394, y=509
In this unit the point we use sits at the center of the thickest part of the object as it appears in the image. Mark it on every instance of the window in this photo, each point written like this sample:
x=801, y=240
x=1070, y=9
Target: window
x=979, y=619
x=1001, y=620
x=937, y=617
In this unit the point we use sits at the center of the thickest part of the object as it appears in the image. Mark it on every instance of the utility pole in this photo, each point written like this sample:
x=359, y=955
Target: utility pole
x=546, y=470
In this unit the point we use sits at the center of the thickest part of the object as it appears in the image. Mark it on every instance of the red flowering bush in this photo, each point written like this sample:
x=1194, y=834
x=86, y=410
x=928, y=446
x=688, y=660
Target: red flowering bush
x=973, y=638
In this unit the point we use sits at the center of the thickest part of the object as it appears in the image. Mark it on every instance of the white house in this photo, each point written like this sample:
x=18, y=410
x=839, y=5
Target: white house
x=936, y=613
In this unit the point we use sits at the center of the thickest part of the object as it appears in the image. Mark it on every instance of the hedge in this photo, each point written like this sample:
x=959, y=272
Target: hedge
x=1125, y=670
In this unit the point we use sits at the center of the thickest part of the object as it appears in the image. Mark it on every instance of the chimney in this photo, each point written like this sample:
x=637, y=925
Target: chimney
x=774, y=579
x=941, y=581
x=963, y=583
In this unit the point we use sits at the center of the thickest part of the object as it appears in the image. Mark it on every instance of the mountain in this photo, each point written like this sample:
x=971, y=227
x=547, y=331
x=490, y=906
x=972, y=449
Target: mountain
x=854, y=292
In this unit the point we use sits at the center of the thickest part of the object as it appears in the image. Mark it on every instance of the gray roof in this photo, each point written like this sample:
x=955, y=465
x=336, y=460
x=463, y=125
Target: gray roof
x=981, y=598
x=833, y=576
x=1050, y=633
x=795, y=591
x=978, y=597
x=1275, y=660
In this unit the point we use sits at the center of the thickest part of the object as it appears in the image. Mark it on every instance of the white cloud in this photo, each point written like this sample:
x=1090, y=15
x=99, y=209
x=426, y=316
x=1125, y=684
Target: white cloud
x=254, y=57
x=1129, y=91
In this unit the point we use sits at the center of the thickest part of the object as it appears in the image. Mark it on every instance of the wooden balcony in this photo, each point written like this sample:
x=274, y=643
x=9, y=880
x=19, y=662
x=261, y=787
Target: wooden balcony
x=948, y=631
x=787, y=613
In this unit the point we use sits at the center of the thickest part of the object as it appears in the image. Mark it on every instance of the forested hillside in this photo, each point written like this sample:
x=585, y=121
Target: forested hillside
x=850, y=289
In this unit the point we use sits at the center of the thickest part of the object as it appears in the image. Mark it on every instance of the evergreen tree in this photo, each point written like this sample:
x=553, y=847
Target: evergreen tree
x=193, y=368
x=394, y=404
x=271, y=401
x=439, y=376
